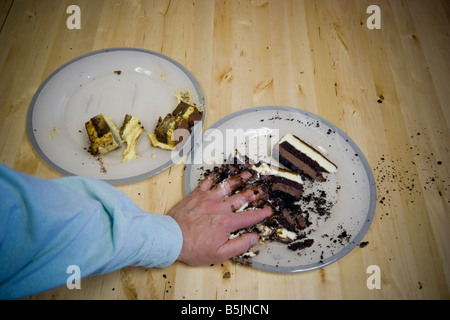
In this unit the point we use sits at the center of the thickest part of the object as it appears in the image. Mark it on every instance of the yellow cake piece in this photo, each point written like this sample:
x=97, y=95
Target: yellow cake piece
x=130, y=132
x=183, y=116
x=103, y=135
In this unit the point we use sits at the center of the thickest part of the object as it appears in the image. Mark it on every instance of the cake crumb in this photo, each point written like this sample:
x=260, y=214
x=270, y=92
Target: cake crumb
x=102, y=165
x=363, y=244
x=53, y=131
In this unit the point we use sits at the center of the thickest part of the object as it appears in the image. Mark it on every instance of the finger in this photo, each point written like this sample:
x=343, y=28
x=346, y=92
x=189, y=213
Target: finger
x=206, y=184
x=237, y=246
x=249, y=218
x=238, y=200
x=230, y=184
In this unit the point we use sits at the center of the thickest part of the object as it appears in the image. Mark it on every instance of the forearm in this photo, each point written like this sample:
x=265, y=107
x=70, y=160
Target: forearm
x=46, y=226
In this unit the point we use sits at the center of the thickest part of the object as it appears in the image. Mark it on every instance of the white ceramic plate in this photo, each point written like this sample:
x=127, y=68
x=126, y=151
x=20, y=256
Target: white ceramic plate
x=350, y=192
x=115, y=82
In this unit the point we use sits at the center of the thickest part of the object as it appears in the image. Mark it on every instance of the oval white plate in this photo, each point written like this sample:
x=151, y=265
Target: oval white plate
x=351, y=191
x=115, y=82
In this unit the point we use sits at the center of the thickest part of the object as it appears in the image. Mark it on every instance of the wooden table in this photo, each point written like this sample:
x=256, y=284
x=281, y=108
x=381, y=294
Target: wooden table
x=386, y=88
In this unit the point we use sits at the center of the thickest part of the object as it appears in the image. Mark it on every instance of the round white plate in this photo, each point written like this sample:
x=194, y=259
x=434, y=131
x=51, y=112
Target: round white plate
x=350, y=192
x=115, y=82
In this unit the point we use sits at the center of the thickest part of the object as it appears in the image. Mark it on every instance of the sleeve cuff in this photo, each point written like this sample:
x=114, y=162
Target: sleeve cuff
x=166, y=243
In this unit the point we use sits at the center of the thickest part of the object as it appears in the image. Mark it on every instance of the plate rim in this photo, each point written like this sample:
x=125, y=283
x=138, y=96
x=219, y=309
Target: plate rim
x=121, y=181
x=356, y=240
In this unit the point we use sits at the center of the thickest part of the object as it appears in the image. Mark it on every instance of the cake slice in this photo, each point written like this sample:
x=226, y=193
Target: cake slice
x=188, y=112
x=130, y=132
x=103, y=135
x=183, y=117
x=300, y=157
x=163, y=135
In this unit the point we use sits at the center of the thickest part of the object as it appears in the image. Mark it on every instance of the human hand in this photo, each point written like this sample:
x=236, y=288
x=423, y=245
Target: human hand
x=207, y=217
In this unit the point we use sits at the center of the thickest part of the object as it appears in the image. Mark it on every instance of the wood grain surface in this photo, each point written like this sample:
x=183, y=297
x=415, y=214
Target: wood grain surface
x=387, y=88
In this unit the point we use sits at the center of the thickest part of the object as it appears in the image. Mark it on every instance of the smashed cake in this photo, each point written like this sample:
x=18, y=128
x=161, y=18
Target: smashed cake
x=283, y=190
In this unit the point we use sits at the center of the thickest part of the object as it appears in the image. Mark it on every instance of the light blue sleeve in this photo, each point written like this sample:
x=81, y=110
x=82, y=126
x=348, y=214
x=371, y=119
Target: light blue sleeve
x=48, y=225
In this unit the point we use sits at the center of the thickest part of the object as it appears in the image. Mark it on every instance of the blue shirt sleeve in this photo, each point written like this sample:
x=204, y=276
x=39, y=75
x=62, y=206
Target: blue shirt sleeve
x=48, y=225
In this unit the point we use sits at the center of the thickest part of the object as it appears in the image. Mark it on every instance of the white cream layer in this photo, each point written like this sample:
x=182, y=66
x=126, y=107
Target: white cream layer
x=265, y=170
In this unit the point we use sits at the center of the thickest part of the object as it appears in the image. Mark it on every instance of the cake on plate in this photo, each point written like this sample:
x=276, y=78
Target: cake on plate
x=103, y=135
x=130, y=132
x=183, y=117
x=282, y=189
x=299, y=156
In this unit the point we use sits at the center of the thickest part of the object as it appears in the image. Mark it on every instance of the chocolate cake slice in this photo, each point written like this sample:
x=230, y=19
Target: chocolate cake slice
x=300, y=157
